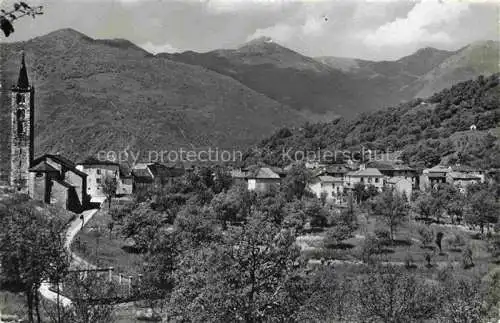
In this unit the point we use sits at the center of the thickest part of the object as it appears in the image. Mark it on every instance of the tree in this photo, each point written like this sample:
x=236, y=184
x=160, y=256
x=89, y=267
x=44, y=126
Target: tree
x=483, y=206
x=426, y=235
x=296, y=181
x=461, y=299
x=332, y=297
x=343, y=227
x=21, y=9
x=393, y=209
x=316, y=213
x=359, y=192
x=227, y=206
x=389, y=294
x=144, y=225
x=251, y=275
x=109, y=188
x=424, y=205
x=439, y=239
x=32, y=251
x=87, y=295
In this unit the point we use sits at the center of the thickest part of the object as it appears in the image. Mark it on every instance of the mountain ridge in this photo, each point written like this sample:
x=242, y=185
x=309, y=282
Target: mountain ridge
x=105, y=97
x=337, y=86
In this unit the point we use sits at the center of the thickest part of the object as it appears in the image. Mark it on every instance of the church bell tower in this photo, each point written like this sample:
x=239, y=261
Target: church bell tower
x=22, y=130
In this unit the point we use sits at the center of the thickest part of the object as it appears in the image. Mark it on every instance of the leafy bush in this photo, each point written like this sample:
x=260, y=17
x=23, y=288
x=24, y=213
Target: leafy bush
x=370, y=247
x=383, y=236
x=455, y=241
x=426, y=235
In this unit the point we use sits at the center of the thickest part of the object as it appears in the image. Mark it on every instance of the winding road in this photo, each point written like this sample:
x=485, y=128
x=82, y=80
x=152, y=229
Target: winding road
x=73, y=228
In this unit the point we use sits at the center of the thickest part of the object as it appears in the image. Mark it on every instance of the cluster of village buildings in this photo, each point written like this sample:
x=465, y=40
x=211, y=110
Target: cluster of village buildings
x=57, y=180
x=336, y=182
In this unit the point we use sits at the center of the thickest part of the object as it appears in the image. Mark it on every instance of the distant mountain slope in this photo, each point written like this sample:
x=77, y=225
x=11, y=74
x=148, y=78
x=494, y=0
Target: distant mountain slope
x=475, y=59
x=427, y=131
x=313, y=88
x=94, y=95
x=324, y=88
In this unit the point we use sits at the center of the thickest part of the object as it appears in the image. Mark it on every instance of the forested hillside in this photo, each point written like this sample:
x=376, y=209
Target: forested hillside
x=427, y=132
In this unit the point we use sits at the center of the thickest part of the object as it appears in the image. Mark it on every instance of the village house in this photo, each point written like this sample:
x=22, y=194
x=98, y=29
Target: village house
x=261, y=179
x=336, y=171
x=433, y=176
x=397, y=169
x=239, y=176
x=400, y=185
x=147, y=176
x=331, y=187
x=366, y=176
x=125, y=180
x=462, y=180
x=97, y=171
x=56, y=180
x=470, y=171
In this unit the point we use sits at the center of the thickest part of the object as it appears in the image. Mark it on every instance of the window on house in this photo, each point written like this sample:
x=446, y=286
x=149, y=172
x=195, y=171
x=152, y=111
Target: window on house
x=98, y=172
x=39, y=175
x=98, y=181
x=376, y=180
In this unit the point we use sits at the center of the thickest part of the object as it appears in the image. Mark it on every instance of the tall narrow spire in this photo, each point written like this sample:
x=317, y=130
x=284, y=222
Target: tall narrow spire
x=22, y=81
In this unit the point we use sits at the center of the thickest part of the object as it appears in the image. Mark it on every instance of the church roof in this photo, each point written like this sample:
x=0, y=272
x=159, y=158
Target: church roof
x=60, y=160
x=43, y=167
x=23, y=81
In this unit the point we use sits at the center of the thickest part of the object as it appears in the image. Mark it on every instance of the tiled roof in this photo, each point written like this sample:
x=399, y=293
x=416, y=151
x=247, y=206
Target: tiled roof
x=438, y=169
x=263, y=173
x=436, y=175
x=237, y=173
x=43, y=167
x=327, y=179
x=62, y=161
x=460, y=175
x=464, y=168
x=336, y=169
x=94, y=161
x=365, y=172
x=162, y=171
x=396, y=179
x=125, y=170
x=142, y=175
x=63, y=183
x=388, y=166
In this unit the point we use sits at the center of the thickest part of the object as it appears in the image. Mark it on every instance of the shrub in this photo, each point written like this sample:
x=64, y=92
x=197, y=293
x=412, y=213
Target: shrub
x=370, y=247
x=428, y=259
x=409, y=261
x=426, y=235
x=467, y=258
x=455, y=241
x=383, y=235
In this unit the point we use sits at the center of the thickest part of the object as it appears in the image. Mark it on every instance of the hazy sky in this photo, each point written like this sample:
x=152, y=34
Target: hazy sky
x=365, y=29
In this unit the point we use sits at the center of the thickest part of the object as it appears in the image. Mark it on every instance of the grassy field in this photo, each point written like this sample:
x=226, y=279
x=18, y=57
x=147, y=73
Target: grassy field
x=407, y=247
x=12, y=304
x=96, y=244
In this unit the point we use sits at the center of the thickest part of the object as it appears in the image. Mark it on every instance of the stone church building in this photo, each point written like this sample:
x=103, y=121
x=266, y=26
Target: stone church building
x=52, y=179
